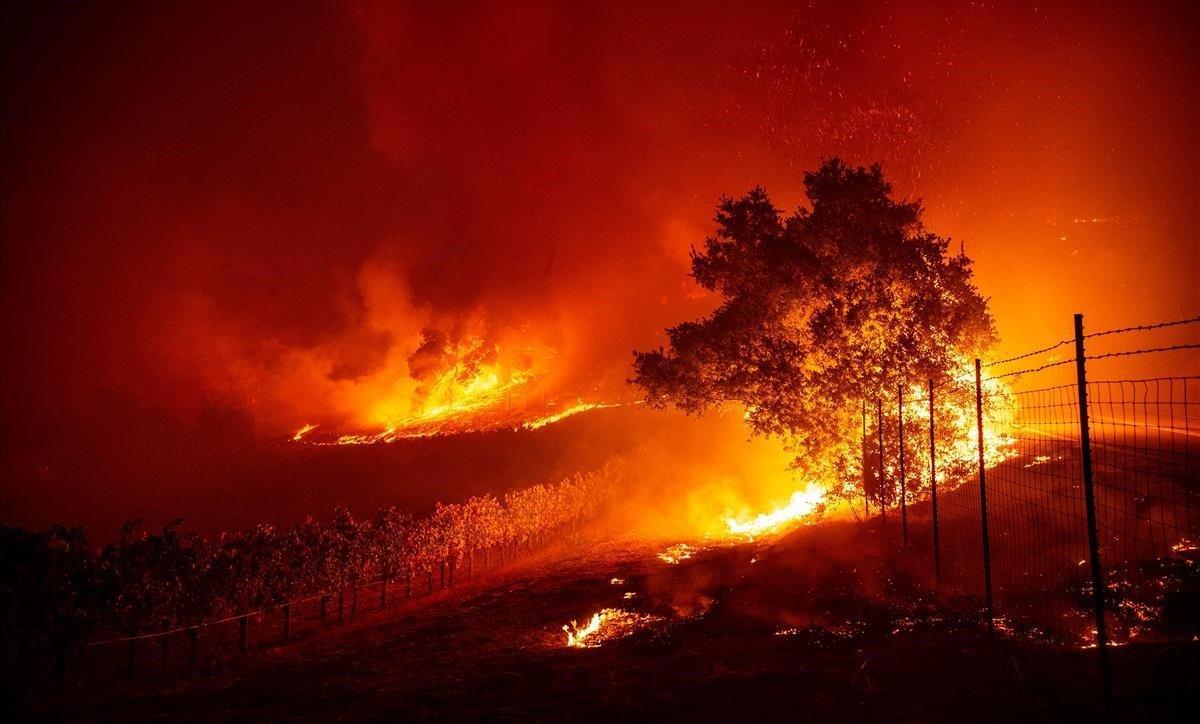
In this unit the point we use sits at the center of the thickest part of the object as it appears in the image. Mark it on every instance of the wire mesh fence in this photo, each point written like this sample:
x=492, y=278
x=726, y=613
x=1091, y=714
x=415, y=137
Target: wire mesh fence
x=1036, y=510
x=1146, y=466
x=1079, y=519
x=1142, y=443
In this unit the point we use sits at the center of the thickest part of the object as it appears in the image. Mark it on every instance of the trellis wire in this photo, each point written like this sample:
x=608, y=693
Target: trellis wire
x=227, y=643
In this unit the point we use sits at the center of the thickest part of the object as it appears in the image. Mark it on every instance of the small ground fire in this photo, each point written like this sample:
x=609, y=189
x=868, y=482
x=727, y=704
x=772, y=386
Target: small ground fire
x=604, y=625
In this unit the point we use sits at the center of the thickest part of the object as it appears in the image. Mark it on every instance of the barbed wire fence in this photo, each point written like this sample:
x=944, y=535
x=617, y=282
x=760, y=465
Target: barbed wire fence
x=1078, y=518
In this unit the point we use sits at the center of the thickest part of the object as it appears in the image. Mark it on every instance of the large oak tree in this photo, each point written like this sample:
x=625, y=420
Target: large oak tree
x=821, y=310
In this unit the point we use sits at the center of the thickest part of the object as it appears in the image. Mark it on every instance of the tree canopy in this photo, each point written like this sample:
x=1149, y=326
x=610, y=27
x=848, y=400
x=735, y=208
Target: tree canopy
x=832, y=305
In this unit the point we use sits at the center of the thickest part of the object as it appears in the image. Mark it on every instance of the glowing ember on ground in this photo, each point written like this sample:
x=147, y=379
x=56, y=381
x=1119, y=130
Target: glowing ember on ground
x=1110, y=644
x=676, y=553
x=802, y=503
x=1185, y=545
x=824, y=636
x=604, y=625
x=1003, y=625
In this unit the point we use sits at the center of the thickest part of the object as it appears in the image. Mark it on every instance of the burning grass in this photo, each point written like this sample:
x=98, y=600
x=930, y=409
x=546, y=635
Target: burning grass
x=605, y=625
x=468, y=385
x=802, y=504
x=676, y=553
x=490, y=414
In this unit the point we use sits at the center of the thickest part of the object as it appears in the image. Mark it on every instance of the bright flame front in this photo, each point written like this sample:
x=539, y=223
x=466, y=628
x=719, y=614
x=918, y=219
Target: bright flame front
x=802, y=503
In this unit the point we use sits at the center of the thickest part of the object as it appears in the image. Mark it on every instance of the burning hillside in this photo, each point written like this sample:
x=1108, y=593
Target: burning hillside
x=453, y=420
x=451, y=387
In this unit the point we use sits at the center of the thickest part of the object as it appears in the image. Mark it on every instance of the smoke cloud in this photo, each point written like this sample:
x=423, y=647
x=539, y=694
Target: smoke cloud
x=225, y=222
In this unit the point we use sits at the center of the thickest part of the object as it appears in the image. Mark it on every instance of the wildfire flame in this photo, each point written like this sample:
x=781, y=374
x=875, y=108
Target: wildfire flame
x=457, y=421
x=604, y=625
x=450, y=386
x=577, y=636
x=563, y=414
x=957, y=443
x=802, y=503
x=303, y=431
x=478, y=388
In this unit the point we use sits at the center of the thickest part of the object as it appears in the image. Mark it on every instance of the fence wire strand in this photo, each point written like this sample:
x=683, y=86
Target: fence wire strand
x=1146, y=482
x=1150, y=350
x=1143, y=327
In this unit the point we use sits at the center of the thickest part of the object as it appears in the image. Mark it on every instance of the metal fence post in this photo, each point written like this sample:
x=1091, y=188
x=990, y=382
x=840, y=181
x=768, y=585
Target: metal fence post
x=1089, y=498
x=879, y=434
x=903, y=488
x=983, y=511
x=937, y=549
x=867, y=497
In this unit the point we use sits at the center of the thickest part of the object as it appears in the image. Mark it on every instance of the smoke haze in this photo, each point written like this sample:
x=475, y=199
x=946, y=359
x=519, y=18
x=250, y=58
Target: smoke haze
x=221, y=223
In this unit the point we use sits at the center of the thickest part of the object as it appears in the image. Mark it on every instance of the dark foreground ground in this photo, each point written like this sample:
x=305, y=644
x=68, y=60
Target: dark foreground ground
x=808, y=628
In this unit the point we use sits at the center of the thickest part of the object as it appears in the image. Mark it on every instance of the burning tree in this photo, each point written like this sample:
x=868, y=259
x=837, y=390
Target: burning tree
x=850, y=300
